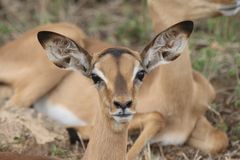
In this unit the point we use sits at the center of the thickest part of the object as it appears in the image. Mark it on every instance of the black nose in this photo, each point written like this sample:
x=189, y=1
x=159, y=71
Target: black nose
x=122, y=105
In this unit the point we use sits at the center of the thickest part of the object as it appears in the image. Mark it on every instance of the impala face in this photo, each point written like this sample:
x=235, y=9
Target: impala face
x=117, y=72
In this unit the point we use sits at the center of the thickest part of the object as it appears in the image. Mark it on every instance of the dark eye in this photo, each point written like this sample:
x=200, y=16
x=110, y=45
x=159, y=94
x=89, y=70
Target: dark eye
x=96, y=79
x=140, y=75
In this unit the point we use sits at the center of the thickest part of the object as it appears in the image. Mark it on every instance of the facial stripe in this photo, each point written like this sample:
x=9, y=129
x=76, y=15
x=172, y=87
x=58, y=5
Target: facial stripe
x=120, y=84
x=116, y=52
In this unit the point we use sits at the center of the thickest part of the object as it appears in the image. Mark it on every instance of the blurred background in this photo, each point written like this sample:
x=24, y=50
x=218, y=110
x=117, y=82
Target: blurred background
x=215, y=44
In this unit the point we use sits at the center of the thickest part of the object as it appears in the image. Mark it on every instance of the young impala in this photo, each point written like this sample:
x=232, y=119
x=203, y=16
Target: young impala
x=117, y=74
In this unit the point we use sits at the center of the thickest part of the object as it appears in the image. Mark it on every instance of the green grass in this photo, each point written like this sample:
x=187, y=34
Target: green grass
x=19, y=140
x=136, y=29
x=4, y=147
x=236, y=131
x=4, y=29
x=206, y=61
x=224, y=29
x=237, y=89
x=58, y=151
x=237, y=96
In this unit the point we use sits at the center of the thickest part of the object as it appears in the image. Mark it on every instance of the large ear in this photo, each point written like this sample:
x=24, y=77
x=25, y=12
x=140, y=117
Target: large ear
x=167, y=45
x=64, y=52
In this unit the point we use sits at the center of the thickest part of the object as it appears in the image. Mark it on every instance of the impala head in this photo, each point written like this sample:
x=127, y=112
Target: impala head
x=164, y=10
x=117, y=72
x=227, y=7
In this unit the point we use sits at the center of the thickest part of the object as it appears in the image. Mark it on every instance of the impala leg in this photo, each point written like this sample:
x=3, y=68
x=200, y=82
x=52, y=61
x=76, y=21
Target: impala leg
x=207, y=138
x=29, y=91
x=151, y=123
x=19, y=99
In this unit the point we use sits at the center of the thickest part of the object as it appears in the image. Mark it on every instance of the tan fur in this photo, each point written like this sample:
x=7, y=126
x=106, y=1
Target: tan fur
x=106, y=142
x=164, y=13
x=188, y=92
x=27, y=70
x=106, y=134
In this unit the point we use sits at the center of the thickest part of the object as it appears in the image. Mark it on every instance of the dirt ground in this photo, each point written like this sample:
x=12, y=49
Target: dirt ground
x=217, y=56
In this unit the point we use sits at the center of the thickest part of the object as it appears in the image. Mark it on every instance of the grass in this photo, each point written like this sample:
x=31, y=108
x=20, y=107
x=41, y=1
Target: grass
x=19, y=139
x=237, y=96
x=210, y=60
x=206, y=62
x=4, y=147
x=58, y=151
x=224, y=29
x=4, y=29
x=136, y=29
x=236, y=131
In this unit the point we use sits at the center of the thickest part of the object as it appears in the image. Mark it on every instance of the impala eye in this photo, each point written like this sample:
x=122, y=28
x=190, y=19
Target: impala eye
x=96, y=79
x=140, y=75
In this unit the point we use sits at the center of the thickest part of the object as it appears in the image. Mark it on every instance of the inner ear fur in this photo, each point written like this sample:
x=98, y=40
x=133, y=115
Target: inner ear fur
x=167, y=45
x=64, y=52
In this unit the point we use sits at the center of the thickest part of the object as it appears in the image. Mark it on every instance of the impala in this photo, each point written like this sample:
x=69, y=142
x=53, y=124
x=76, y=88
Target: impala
x=26, y=70
x=118, y=74
x=187, y=122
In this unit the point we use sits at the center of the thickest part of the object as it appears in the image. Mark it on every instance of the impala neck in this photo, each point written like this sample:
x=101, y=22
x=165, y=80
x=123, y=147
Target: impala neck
x=108, y=140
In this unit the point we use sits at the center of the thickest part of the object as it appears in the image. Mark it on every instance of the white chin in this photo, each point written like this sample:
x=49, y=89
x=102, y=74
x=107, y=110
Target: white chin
x=120, y=119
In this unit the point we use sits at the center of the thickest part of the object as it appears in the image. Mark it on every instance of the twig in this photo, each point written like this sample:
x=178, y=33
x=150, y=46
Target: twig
x=185, y=156
x=161, y=152
x=81, y=140
x=215, y=112
x=149, y=151
x=196, y=156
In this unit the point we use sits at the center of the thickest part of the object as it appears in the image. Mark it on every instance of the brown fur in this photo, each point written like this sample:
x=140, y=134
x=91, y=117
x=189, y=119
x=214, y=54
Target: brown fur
x=28, y=70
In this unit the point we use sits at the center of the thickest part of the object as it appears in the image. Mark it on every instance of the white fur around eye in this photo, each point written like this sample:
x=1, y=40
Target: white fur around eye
x=136, y=69
x=100, y=74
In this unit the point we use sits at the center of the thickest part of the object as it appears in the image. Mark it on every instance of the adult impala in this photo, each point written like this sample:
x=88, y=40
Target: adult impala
x=191, y=84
